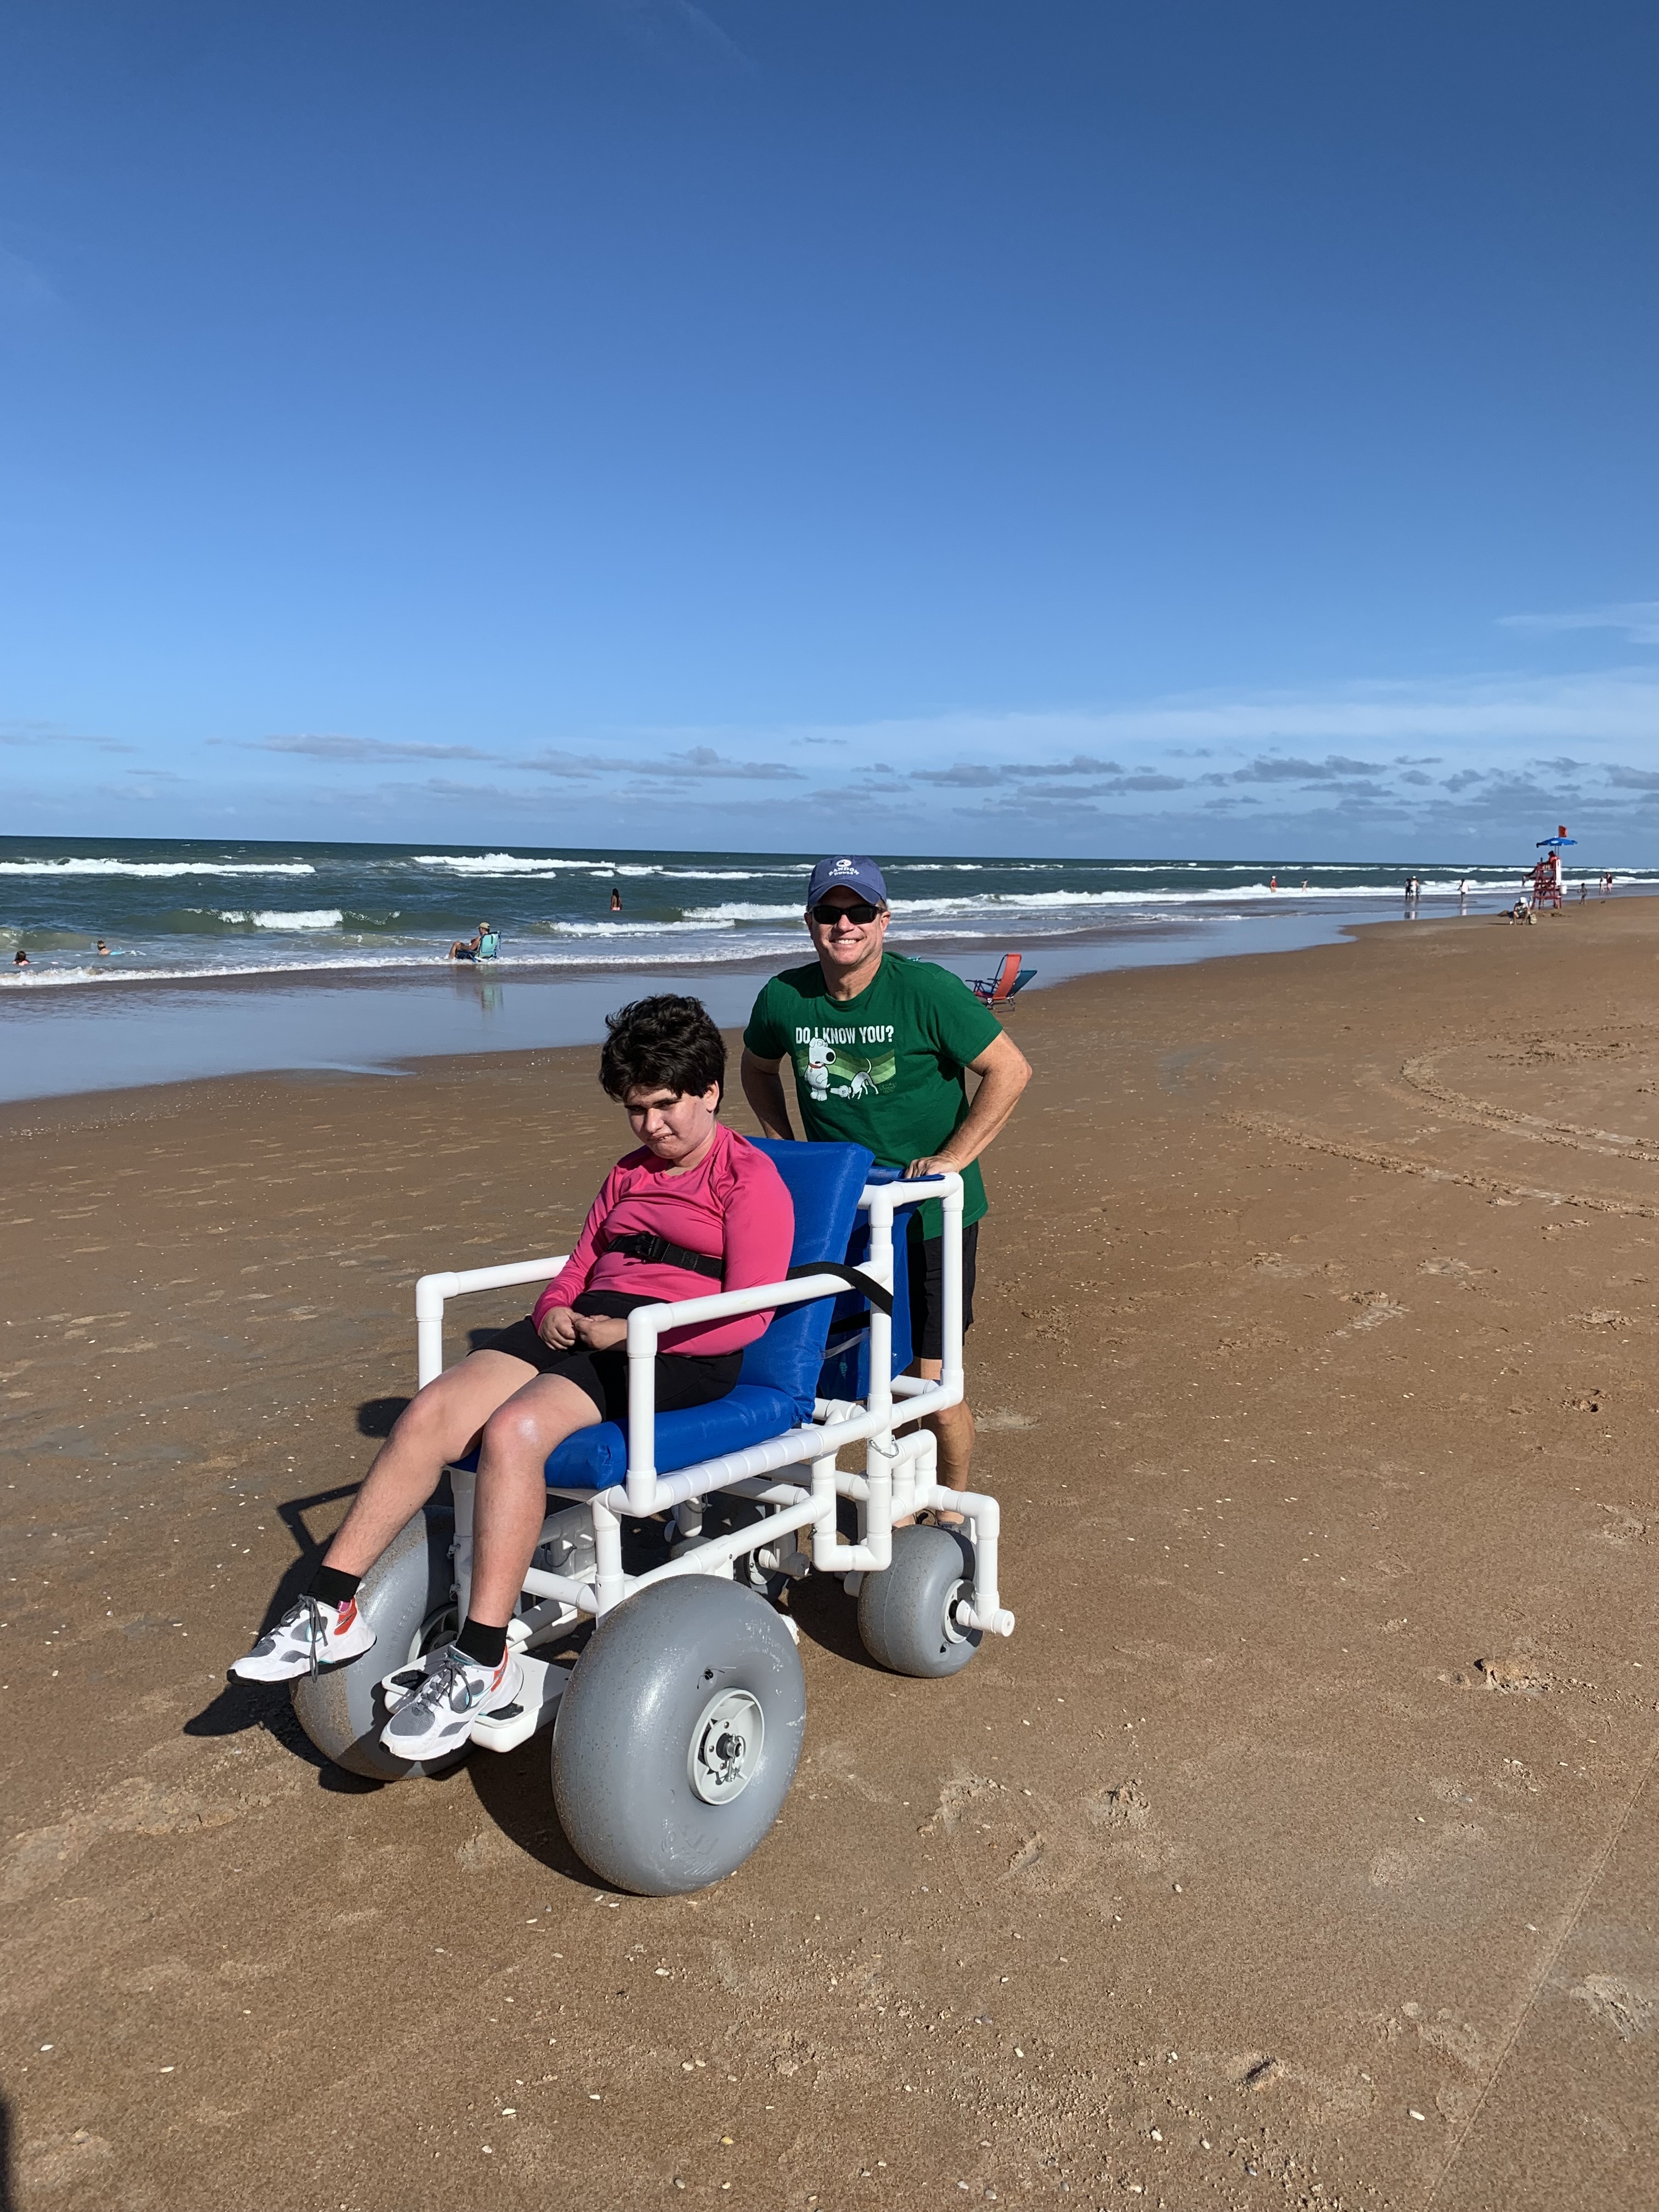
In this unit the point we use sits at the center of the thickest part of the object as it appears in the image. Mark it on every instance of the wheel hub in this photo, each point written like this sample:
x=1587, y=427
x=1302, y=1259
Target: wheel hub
x=958, y=1594
x=726, y=1746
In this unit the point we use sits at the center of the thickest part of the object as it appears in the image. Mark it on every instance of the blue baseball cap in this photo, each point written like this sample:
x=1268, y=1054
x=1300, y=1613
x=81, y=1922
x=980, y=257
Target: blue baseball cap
x=859, y=874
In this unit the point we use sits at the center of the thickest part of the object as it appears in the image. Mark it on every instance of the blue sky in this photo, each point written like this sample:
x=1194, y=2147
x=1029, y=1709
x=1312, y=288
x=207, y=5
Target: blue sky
x=1066, y=427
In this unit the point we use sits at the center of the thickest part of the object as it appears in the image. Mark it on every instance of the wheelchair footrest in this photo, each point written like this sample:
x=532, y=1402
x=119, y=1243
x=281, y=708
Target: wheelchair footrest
x=531, y=1709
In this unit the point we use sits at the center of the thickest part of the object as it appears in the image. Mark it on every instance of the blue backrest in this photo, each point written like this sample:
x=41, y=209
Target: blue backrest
x=846, y=1371
x=825, y=1181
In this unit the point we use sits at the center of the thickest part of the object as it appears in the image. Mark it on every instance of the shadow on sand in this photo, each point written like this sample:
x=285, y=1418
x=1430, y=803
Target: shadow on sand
x=243, y=1705
x=515, y=1790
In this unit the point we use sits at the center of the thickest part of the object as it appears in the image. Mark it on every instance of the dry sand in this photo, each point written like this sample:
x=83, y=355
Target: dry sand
x=1302, y=1847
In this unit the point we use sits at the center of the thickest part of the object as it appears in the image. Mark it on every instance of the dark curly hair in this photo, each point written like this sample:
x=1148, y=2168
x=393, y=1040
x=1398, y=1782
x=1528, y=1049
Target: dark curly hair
x=665, y=1043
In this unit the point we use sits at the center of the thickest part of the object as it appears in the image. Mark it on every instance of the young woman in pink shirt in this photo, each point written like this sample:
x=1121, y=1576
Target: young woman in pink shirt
x=695, y=1204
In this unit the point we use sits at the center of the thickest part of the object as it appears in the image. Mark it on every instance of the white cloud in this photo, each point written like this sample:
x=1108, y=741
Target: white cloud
x=695, y=764
x=360, y=749
x=1636, y=619
x=27, y=735
x=1471, y=766
x=1618, y=705
x=970, y=775
x=1276, y=768
x=1360, y=749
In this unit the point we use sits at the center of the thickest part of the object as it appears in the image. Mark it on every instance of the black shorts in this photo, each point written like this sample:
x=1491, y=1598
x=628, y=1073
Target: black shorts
x=684, y=1378
x=926, y=1256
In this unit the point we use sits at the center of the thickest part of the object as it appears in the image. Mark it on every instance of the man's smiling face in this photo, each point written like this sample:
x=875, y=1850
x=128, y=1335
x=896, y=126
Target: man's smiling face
x=844, y=945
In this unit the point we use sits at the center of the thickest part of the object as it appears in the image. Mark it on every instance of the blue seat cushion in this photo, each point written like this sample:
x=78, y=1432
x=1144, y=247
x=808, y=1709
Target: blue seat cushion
x=595, y=1458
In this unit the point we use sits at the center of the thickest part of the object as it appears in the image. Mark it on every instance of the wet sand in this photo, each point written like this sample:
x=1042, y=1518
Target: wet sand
x=1301, y=1847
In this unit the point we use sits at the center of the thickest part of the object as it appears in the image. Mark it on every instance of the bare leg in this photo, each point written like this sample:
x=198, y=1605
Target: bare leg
x=512, y=1498
x=953, y=1430
x=436, y=1426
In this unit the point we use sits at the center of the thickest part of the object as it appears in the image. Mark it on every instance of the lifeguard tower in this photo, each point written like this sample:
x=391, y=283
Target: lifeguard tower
x=1546, y=891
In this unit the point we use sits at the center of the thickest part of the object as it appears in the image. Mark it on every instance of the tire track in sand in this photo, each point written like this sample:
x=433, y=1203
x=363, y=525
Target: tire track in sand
x=1373, y=1156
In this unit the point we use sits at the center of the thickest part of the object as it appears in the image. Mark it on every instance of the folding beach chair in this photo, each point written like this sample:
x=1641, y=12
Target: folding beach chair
x=1007, y=983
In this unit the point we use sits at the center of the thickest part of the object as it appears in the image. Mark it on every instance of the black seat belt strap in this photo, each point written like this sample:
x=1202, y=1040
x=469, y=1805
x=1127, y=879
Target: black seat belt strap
x=642, y=1245
x=855, y=1278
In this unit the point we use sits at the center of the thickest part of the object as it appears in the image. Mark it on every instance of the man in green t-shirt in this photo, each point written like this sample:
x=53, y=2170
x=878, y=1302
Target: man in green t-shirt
x=881, y=1047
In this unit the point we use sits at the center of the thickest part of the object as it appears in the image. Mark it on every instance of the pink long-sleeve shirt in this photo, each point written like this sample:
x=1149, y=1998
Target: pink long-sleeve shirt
x=732, y=1206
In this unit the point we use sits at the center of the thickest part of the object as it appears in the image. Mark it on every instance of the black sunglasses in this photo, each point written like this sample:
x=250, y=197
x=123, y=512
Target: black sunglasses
x=860, y=910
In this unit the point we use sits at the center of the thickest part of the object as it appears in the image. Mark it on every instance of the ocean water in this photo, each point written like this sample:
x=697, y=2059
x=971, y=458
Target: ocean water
x=176, y=911
x=238, y=958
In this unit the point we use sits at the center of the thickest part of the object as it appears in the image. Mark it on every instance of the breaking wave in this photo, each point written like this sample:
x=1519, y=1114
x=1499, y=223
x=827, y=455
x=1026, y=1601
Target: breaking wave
x=322, y=917
x=151, y=868
x=505, y=864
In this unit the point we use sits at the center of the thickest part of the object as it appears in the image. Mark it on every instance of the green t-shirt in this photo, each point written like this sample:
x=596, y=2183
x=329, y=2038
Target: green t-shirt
x=883, y=1069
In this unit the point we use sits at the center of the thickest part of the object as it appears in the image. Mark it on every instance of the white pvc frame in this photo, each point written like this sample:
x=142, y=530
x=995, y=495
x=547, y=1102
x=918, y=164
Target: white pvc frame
x=900, y=1481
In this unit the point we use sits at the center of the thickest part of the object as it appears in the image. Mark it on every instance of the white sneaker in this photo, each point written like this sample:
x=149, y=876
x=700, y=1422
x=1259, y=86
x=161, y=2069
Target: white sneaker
x=434, y=1720
x=311, y=1635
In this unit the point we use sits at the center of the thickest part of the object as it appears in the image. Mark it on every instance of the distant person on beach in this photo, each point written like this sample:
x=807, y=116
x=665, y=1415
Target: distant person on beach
x=484, y=944
x=710, y=1205
x=103, y=948
x=1272, y=882
x=881, y=1047
x=615, y=898
x=1520, y=912
x=19, y=958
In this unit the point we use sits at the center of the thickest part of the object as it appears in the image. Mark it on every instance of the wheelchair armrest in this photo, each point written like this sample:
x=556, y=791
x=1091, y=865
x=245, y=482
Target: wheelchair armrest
x=646, y=1323
x=432, y=1293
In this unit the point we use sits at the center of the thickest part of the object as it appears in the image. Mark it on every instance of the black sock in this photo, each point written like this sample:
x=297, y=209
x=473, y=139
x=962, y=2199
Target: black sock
x=333, y=1587
x=478, y=1640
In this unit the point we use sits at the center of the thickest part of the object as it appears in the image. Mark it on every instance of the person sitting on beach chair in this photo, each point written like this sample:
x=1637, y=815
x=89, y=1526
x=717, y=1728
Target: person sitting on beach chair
x=484, y=944
x=696, y=1205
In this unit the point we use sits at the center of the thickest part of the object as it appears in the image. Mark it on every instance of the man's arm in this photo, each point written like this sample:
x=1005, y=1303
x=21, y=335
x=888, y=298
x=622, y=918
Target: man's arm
x=1003, y=1071
x=762, y=1086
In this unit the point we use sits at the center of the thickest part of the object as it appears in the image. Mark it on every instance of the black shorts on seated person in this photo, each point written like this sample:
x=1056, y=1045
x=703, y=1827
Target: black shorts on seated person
x=684, y=1378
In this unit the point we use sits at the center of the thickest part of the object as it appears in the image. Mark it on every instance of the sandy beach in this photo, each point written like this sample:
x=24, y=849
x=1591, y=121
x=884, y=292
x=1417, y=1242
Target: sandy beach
x=1313, y=1856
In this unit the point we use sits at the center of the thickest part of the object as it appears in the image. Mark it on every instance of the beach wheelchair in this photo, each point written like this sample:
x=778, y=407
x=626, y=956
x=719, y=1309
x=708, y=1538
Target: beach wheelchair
x=676, y=1729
